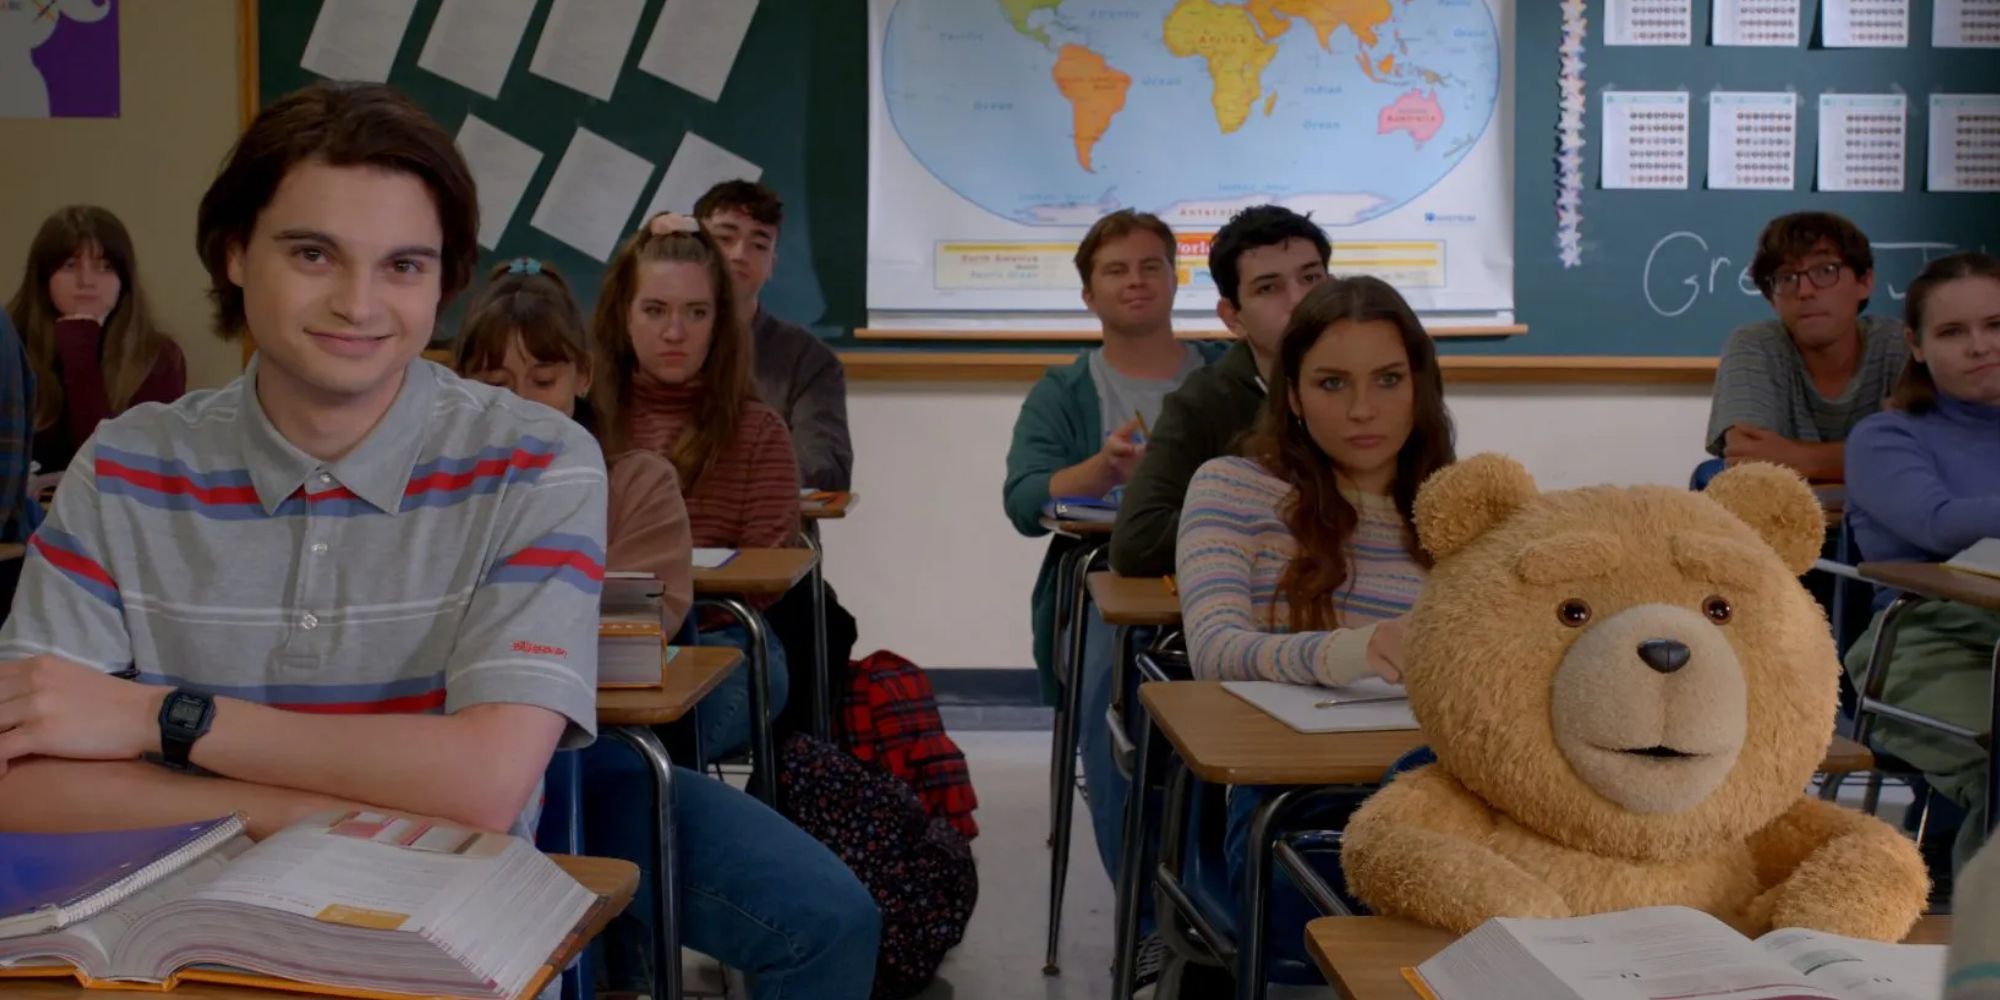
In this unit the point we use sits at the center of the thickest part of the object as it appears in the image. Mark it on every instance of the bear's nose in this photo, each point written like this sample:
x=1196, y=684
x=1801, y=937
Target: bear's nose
x=1664, y=655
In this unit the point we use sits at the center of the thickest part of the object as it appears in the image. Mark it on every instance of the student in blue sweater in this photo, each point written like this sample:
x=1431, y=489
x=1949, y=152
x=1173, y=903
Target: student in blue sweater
x=1923, y=483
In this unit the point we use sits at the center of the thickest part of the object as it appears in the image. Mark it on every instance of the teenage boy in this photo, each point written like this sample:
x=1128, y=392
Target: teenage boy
x=1789, y=389
x=796, y=373
x=1263, y=261
x=347, y=577
x=1078, y=434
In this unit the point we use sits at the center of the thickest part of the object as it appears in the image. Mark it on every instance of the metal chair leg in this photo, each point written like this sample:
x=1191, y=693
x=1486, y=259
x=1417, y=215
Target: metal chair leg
x=667, y=895
x=1125, y=958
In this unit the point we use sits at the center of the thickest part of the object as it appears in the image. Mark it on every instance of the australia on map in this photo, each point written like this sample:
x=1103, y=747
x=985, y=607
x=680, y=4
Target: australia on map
x=1053, y=112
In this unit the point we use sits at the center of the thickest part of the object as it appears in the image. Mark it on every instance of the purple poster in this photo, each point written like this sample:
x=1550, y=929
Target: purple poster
x=58, y=58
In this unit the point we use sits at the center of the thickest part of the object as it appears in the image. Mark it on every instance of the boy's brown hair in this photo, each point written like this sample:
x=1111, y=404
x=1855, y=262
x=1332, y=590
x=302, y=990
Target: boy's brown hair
x=340, y=125
x=1119, y=225
x=1790, y=237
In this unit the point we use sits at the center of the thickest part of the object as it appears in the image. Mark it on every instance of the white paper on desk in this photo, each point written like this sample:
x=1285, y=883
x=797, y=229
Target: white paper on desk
x=1964, y=142
x=357, y=39
x=697, y=166
x=1966, y=24
x=584, y=42
x=1861, y=139
x=1645, y=140
x=695, y=42
x=472, y=42
x=713, y=558
x=502, y=167
x=1649, y=22
x=1982, y=558
x=1865, y=24
x=590, y=198
x=1757, y=22
x=1752, y=141
x=1300, y=707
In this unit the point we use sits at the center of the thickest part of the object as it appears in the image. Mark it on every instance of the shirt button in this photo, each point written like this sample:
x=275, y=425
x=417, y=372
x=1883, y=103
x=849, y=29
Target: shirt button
x=325, y=478
x=319, y=548
x=309, y=622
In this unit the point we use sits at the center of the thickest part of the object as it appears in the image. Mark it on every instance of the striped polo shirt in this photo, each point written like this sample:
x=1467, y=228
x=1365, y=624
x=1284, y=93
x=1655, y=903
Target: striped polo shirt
x=453, y=558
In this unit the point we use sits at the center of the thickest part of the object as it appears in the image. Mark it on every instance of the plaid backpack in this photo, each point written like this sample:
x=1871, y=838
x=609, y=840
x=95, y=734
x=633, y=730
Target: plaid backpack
x=919, y=869
x=889, y=717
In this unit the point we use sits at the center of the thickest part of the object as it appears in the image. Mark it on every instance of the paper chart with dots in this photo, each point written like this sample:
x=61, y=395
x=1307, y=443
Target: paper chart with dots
x=1757, y=22
x=1964, y=142
x=1752, y=141
x=1866, y=24
x=1966, y=24
x=1861, y=141
x=1645, y=140
x=1649, y=22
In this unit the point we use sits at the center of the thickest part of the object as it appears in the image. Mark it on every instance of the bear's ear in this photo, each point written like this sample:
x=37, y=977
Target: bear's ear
x=1460, y=502
x=1778, y=506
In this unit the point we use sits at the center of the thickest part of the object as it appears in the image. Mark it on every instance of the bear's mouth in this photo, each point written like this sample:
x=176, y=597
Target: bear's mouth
x=1660, y=752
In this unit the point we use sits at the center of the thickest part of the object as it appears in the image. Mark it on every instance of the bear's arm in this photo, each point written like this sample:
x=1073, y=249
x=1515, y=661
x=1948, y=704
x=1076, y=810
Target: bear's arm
x=1417, y=849
x=1837, y=870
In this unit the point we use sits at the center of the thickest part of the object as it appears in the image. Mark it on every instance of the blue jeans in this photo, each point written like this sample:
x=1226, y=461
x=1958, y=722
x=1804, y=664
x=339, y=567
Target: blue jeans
x=1108, y=789
x=757, y=893
x=1288, y=909
x=724, y=715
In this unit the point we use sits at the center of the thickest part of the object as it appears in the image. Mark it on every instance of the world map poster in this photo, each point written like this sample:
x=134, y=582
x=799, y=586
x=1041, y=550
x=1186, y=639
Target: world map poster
x=1000, y=129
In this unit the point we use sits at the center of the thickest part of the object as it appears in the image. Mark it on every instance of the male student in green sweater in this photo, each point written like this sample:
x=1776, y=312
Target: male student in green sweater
x=1079, y=434
x=1263, y=261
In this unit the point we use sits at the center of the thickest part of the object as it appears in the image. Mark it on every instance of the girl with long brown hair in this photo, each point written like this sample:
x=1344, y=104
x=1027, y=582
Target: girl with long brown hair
x=1297, y=561
x=90, y=337
x=672, y=376
x=757, y=893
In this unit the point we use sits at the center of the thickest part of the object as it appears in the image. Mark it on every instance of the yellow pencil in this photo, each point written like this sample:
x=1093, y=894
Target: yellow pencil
x=1143, y=432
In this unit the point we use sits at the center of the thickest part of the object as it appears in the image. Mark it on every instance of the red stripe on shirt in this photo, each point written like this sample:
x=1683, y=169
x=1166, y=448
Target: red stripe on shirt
x=448, y=481
x=558, y=557
x=176, y=485
x=73, y=562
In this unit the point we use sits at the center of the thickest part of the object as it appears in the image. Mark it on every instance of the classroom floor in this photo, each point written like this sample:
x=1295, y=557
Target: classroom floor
x=1001, y=957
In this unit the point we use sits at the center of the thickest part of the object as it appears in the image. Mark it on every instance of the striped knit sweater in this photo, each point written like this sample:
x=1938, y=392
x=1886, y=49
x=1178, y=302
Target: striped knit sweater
x=1234, y=547
x=749, y=499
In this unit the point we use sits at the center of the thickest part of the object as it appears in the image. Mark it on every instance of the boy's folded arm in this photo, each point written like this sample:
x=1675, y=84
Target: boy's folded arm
x=51, y=795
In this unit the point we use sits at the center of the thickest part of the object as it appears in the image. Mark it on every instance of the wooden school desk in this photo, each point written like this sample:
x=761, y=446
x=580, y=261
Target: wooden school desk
x=11, y=551
x=1929, y=581
x=768, y=573
x=612, y=880
x=833, y=507
x=1222, y=739
x=628, y=715
x=1364, y=957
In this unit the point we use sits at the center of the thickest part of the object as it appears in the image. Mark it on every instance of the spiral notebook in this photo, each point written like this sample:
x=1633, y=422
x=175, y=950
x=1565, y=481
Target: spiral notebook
x=54, y=880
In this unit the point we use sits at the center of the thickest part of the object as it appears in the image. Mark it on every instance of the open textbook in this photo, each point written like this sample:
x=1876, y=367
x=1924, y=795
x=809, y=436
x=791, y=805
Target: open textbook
x=1672, y=953
x=347, y=903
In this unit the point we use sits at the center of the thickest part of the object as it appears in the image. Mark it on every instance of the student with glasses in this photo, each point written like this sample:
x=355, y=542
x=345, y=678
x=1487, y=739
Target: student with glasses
x=1789, y=389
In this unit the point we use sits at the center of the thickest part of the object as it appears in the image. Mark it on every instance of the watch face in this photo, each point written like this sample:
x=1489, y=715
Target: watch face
x=184, y=712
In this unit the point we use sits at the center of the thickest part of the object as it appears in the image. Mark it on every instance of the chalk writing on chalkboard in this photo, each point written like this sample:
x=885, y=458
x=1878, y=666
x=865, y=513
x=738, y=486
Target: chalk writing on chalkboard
x=1682, y=268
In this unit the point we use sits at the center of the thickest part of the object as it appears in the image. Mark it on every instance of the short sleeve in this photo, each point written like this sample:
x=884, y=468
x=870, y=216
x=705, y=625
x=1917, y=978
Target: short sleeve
x=1753, y=383
x=529, y=635
x=68, y=604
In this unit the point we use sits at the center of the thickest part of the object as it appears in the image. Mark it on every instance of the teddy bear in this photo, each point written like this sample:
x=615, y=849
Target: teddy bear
x=1628, y=691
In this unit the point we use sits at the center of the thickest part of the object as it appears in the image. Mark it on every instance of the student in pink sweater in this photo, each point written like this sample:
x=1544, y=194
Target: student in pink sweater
x=1297, y=561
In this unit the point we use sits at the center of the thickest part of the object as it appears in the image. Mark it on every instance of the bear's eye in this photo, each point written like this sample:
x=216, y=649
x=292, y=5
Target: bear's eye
x=1718, y=610
x=1573, y=613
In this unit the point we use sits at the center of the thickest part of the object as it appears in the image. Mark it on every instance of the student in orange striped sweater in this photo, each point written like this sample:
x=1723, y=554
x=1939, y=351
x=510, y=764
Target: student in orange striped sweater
x=1297, y=562
x=672, y=376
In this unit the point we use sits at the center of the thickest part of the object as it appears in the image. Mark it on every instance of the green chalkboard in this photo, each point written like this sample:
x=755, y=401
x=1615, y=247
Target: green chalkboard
x=1659, y=273
x=795, y=104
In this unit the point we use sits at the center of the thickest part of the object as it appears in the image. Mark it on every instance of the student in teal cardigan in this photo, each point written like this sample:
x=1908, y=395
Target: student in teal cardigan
x=1061, y=446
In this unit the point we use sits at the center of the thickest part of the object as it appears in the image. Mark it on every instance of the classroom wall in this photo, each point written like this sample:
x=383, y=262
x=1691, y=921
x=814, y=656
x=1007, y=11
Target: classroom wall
x=178, y=114
x=933, y=570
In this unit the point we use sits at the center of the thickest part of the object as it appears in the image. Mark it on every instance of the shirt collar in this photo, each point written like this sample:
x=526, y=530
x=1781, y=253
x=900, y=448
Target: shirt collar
x=377, y=470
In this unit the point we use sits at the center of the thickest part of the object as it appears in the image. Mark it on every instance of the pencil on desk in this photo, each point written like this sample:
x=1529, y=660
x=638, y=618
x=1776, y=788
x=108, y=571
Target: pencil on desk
x=1172, y=587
